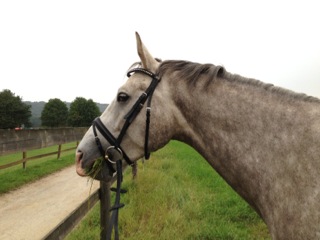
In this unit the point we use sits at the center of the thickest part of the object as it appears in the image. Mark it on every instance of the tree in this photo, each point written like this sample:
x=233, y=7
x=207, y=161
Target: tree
x=13, y=112
x=54, y=113
x=82, y=112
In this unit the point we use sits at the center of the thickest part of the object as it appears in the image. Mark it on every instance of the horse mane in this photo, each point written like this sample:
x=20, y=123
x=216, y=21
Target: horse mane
x=192, y=72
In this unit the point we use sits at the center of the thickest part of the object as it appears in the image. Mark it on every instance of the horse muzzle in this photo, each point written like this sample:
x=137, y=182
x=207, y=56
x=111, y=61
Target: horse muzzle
x=80, y=171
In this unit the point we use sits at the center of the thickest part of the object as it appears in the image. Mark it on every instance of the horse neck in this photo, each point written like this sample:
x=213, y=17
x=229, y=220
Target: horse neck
x=229, y=113
x=235, y=125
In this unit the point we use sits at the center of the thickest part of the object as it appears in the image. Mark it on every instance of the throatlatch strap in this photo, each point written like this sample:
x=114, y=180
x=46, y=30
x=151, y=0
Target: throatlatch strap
x=146, y=142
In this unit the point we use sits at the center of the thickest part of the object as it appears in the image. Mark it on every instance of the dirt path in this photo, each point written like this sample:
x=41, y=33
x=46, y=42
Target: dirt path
x=35, y=209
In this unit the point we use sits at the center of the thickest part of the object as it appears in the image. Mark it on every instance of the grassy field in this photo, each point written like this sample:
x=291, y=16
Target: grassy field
x=177, y=195
x=14, y=177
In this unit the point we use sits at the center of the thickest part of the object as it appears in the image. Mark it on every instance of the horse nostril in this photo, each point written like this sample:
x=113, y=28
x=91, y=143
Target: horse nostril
x=79, y=168
x=79, y=155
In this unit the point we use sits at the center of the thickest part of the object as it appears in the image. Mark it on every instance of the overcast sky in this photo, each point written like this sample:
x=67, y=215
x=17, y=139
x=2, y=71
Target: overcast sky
x=66, y=49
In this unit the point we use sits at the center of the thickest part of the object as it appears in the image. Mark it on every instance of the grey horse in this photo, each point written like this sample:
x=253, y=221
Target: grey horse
x=263, y=140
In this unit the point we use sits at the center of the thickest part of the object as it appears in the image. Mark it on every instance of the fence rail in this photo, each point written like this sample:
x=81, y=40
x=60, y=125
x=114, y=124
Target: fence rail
x=12, y=141
x=25, y=158
x=101, y=195
x=67, y=224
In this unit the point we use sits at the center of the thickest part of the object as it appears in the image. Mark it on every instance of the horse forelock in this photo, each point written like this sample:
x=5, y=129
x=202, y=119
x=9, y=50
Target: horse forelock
x=191, y=72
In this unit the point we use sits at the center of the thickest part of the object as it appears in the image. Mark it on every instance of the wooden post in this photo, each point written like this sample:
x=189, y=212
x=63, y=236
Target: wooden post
x=104, y=209
x=59, y=151
x=134, y=170
x=24, y=157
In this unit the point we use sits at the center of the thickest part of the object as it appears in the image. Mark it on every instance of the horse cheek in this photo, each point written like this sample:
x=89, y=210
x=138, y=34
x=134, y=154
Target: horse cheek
x=160, y=133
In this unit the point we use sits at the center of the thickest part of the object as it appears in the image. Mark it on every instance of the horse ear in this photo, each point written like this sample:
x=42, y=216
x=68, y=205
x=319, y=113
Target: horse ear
x=147, y=61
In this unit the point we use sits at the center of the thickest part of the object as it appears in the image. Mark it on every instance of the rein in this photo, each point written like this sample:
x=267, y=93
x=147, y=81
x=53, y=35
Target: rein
x=115, y=154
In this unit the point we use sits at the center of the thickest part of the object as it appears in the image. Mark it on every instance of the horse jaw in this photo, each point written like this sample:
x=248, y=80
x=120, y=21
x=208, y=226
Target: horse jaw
x=147, y=61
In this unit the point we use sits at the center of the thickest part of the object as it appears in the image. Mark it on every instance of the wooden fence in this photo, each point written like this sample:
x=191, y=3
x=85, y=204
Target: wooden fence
x=25, y=158
x=12, y=141
x=66, y=225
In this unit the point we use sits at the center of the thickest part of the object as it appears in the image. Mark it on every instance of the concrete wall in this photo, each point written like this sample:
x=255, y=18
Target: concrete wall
x=23, y=140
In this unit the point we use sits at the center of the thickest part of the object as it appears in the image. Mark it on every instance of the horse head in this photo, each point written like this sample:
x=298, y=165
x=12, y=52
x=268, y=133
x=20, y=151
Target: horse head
x=124, y=127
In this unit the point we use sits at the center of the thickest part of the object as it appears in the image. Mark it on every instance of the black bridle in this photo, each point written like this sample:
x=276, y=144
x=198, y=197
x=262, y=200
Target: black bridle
x=129, y=118
x=114, y=154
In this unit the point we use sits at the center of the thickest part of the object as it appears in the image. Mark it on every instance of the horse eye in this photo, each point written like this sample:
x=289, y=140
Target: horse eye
x=122, y=97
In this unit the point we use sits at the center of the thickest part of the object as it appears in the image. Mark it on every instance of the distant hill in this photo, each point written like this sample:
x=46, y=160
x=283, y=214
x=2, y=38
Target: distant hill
x=37, y=107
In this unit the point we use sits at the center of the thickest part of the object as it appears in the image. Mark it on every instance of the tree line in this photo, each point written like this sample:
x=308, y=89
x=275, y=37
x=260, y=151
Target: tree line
x=14, y=113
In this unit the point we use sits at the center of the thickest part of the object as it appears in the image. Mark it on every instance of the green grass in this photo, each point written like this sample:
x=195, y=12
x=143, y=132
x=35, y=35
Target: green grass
x=177, y=195
x=15, y=177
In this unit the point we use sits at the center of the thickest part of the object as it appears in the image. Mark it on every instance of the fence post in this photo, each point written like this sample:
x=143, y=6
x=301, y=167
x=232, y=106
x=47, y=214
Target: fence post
x=104, y=208
x=59, y=151
x=24, y=157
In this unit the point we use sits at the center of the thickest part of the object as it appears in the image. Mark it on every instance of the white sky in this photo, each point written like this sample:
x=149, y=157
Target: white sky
x=66, y=49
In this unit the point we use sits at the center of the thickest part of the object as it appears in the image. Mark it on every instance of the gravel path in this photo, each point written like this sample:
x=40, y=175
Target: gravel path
x=35, y=209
